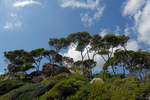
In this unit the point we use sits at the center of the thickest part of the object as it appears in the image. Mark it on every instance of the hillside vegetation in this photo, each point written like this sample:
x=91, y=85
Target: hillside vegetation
x=124, y=75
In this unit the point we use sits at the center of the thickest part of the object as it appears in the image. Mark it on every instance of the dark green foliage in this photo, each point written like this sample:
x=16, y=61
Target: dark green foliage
x=29, y=91
x=19, y=61
x=52, y=70
x=49, y=55
x=65, y=88
x=58, y=44
x=8, y=85
x=119, y=89
x=37, y=55
x=133, y=61
x=77, y=87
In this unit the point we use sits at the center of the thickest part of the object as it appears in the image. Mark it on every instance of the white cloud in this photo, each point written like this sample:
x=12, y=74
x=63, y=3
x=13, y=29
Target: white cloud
x=13, y=14
x=77, y=56
x=117, y=30
x=133, y=45
x=13, y=20
x=127, y=30
x=1, y=73
x=10, y=25
x=89, y=4
x=131, y=7
x=87, y=18
x=73, y=54
x=139, y=10
x=143, y=26
x=103, y=32
x=99, y=13
x=25, y=3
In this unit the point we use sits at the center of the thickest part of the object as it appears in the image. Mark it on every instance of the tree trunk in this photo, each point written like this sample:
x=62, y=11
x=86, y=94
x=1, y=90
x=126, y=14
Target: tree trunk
x=82, y=56
x=113, y=70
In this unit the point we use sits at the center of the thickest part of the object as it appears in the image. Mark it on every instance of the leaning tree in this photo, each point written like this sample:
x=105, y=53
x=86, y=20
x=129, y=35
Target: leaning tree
x=19, y=61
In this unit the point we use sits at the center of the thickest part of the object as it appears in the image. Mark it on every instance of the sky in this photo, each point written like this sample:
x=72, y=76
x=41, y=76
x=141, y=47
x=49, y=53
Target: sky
x=28, y=24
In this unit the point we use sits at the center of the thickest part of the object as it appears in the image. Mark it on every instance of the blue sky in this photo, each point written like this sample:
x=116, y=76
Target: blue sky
x=28, y=24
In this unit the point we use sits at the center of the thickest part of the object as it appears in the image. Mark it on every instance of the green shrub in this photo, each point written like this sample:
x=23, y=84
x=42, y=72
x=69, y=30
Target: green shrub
x=65, y=88
x=78, y=87
x=92, y=92
x=119, y=89
x=78, y=76
x=1, y=77
x=127, y=90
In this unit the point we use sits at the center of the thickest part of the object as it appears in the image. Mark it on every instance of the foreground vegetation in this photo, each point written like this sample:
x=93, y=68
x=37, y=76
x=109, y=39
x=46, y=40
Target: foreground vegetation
x=124, y=75
x=78, y=87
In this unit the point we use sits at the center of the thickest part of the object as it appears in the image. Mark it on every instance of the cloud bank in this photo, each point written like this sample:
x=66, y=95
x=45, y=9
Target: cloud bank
x=77, y=56
x=139, y=10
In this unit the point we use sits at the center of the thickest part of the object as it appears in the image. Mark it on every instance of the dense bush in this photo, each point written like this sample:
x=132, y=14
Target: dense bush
x=118, y=89
x=78, y=87
x=65, y=88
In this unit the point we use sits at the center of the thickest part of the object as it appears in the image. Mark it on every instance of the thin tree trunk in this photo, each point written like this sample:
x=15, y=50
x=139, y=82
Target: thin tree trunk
x=88, y=53
x=124, y=70
x=82, y=55
x=113, y=70
x=94, y=56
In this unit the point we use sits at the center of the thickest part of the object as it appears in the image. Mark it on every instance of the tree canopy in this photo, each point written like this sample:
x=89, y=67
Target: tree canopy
x=111, y=48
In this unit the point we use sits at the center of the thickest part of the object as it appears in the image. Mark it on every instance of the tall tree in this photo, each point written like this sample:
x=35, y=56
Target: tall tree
x=37, y=55
x=81, y=40
x=86, y=64
x=50, y=55
x=96, y=44
x=67, y=61
x=58, y=43
x=133, y=62
x=108, y=43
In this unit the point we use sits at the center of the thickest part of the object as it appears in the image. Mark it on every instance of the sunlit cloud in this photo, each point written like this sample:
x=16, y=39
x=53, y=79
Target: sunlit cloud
x=87, y=18
x=78, y=4
x=139, y=10
x=25, y=3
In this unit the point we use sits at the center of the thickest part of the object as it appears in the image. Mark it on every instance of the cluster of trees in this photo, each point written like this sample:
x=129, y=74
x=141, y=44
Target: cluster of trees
x=131, y=61
x=89, y=47
x=22, y=61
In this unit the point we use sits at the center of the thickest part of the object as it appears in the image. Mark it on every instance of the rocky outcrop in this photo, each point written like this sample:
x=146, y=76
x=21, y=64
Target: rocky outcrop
x=52, y=70
x=96, y=80
x=76, y=71
x=34, y=77
x=12, y=77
